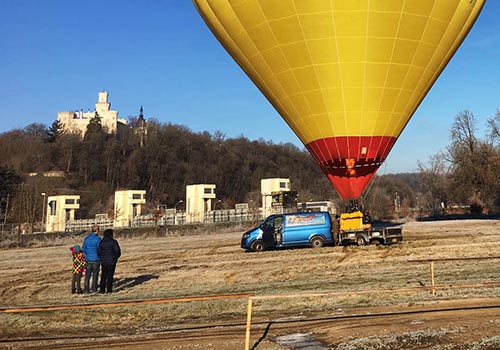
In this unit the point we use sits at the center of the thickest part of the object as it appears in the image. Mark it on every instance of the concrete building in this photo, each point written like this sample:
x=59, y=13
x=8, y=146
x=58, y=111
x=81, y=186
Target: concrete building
x=328, y=206
x=128, y=206
x=268, y=187
x=198, y=201
x=77, y=121
x=60, y=210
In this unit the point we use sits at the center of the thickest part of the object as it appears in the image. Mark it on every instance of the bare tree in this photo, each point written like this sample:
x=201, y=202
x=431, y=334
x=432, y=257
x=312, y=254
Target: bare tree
x=474, y=169
x=463, y=155
x=435, y=178
x=494, y=135
x=494, y=127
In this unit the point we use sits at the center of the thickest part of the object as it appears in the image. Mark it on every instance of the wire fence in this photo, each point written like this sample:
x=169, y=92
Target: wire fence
x=169, y=218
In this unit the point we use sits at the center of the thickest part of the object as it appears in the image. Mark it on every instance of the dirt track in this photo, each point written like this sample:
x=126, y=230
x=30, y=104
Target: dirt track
x=426, y=325
x=214, y=264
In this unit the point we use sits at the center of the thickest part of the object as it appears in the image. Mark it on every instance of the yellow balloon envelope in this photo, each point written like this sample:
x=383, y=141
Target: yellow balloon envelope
x=346, y=75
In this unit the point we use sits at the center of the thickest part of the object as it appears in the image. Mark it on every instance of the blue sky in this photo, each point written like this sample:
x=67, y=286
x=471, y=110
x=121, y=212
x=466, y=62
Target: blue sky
x=56, y=55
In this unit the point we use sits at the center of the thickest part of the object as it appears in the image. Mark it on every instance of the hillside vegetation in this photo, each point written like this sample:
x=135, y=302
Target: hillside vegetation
x=164, y=158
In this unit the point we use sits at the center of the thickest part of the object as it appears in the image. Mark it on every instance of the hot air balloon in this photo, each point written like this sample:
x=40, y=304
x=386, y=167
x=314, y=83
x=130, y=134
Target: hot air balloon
x=346, y=76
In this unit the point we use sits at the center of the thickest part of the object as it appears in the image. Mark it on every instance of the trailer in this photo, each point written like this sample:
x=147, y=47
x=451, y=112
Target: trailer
x=382, y=235
x=356, y=228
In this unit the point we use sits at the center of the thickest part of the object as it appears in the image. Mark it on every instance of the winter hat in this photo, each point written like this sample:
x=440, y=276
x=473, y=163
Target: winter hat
x=75, y=249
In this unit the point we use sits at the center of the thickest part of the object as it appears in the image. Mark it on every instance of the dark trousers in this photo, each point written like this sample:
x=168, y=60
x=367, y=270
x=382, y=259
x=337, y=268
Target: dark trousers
x=75, y=283
x=107, y=273
x=92, y=271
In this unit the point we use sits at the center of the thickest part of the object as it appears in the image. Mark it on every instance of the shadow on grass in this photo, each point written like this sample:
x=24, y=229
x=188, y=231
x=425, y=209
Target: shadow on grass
x=131, y=282
x=264, y=335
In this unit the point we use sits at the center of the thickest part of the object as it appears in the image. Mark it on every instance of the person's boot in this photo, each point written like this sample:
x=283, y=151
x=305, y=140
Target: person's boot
x=73, y=291
x=80, y=291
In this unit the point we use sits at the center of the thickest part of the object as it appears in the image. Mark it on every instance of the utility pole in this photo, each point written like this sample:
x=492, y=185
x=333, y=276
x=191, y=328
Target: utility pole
x=43, y=211
x=397, y=203
x=6, y=209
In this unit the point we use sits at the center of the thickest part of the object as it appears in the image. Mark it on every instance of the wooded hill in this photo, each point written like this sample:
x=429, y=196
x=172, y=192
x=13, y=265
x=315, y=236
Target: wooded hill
x=165, y=158
x=161, y=161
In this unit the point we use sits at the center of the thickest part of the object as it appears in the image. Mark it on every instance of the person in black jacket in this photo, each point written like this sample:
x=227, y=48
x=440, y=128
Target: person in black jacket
x=109, y=252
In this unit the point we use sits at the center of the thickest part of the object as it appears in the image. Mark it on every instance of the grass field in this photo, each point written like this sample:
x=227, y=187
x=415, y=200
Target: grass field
x=211, y=262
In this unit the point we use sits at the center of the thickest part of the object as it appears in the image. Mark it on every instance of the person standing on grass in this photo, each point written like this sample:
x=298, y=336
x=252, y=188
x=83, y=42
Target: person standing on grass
x=78, y=267
x=109, y=252
x=90, y=245
x=336, y=230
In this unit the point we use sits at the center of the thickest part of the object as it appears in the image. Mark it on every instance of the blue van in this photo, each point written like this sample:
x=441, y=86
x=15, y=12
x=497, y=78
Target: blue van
x=287, y=230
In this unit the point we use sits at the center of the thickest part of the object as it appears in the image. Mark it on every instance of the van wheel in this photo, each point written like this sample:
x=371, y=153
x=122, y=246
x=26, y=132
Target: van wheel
x=361, y=240
x=258, y=246
x=317, y=242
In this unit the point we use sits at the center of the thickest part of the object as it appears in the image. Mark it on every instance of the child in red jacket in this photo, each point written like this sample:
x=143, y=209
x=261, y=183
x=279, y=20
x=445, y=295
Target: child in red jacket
x=78, y=269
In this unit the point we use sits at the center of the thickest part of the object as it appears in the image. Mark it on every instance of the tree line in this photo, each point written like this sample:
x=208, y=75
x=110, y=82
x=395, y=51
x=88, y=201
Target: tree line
x=163, y=158
x=467, y=171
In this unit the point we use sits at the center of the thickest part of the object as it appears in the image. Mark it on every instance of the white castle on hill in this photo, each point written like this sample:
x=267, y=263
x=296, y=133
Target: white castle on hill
x=77, y=121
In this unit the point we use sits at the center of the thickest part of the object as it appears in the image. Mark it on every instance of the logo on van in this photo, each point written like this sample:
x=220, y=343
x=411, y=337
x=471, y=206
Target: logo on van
x=305, y=219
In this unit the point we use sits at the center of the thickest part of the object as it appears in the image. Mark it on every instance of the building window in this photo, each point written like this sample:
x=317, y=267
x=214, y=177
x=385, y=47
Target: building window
x=70, y=201
x=208, y=191
x=136, y=196
x=53, y=207
x=282, y=184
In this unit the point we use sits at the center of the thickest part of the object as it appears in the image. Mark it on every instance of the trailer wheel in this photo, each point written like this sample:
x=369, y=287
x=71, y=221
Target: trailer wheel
x=361, y=240
x=317, y=242
x=258, y=246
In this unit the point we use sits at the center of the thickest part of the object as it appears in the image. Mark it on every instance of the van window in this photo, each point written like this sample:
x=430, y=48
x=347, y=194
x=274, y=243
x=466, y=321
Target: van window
x=278, y=221
x=273, y=222
x=269, y=222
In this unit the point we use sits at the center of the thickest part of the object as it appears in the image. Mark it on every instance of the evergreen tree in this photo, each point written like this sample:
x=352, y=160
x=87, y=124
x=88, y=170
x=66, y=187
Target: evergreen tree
x=8, y=180
x=54, y=131
x=94, y=126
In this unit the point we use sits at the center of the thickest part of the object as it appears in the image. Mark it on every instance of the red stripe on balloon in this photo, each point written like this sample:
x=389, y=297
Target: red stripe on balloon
x=351, y=161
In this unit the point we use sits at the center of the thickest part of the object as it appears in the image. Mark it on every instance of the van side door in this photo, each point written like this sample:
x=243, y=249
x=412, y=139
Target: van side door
x=271, y=230
x=268, y=231
x=278, y=229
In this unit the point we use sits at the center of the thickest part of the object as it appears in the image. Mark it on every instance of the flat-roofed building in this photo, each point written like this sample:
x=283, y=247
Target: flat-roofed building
x=60, y=210
x=268, y=188
x=128, y=205
x=198, y=201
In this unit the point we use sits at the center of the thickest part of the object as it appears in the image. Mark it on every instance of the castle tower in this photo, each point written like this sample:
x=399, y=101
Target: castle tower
x=141, y=127
x=102, y=105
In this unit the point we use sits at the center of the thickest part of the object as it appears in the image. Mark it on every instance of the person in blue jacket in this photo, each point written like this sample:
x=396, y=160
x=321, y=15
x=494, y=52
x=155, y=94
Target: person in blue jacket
x=90, y=245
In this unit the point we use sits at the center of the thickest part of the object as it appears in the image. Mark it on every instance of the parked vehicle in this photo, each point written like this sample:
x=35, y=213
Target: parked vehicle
x=316, y=229
x=286, y=230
